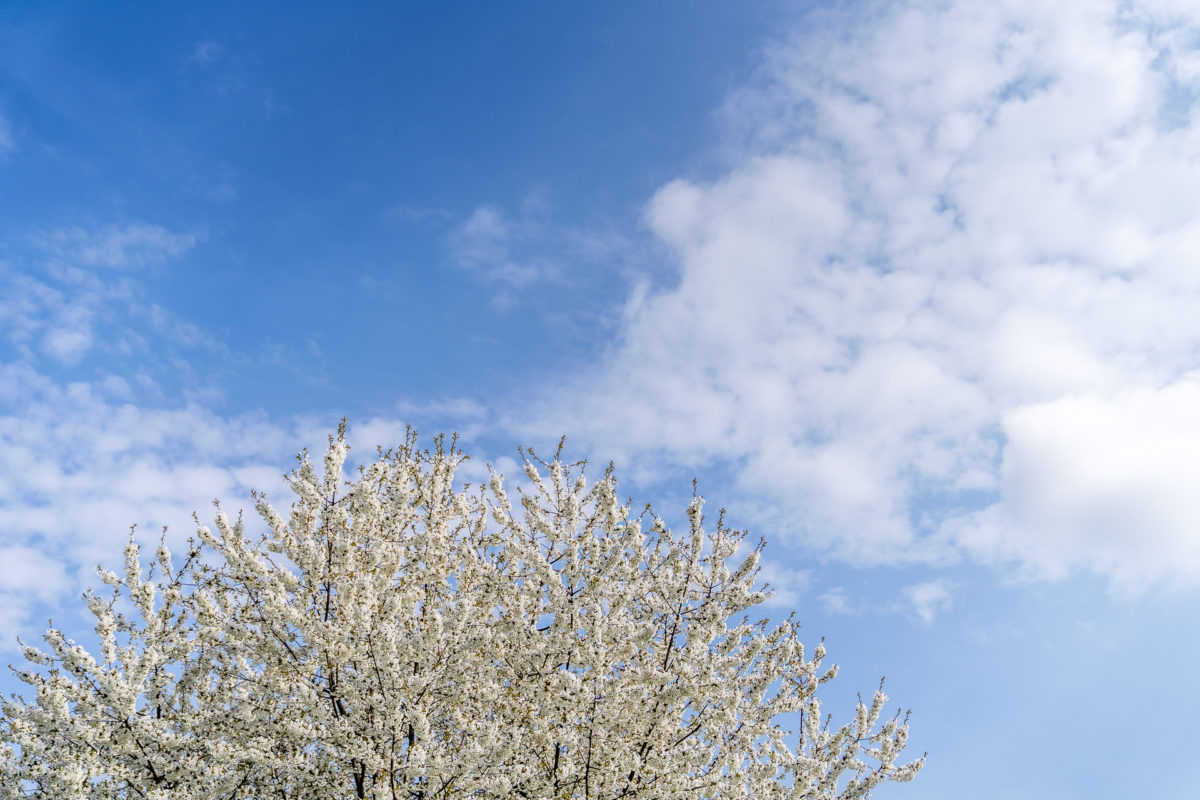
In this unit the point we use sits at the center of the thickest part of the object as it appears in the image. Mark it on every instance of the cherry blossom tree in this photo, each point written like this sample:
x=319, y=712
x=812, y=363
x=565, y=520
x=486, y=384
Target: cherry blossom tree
x=405, y=636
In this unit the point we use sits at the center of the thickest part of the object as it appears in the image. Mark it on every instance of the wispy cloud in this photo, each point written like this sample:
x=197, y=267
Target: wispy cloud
x=85, y=457
x=237, y=76
x=207, y=51
x=521, y=250
x=136, y=244
x=51, y=315
x=942, y=303
x=488, y=243
x=53, y=300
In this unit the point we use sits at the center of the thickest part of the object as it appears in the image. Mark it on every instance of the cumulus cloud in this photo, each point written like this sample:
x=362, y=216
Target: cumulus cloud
x=942, y=299
x=1108, y=482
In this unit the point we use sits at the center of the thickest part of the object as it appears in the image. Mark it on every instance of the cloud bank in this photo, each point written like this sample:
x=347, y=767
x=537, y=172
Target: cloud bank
x=941, y=302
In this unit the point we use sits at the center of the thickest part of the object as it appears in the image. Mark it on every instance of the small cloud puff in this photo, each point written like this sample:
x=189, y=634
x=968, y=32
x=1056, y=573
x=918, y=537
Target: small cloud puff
x=67, y=344
x=926, y=600
x=836, y=601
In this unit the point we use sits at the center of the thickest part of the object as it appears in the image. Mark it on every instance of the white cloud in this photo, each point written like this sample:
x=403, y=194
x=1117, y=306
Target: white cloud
x=527, y=249
x=27, y=579
x=946, y=232
x=68, y=344
x=63, y=305
x=137, y=244
x=77, y=469
x=836, y=601
x=51, y=316
x=1106, y=482
x=788, y=585
x=928, y=599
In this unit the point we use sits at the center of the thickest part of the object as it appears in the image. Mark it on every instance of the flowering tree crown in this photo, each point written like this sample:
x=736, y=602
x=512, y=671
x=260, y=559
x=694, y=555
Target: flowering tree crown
x=398, y=636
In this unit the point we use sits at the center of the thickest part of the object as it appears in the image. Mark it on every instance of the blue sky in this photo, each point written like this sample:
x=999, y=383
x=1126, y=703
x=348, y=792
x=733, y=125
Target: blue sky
x=910, y=288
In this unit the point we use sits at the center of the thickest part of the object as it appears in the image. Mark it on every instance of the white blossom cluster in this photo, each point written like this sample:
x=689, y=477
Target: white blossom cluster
x=397, y=637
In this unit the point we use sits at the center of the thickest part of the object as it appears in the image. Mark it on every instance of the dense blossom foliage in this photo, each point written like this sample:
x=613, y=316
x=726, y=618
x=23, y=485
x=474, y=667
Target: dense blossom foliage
x=401, y=637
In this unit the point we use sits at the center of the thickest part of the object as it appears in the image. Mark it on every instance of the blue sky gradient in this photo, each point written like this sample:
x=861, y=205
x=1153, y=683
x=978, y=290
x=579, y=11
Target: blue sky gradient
x=339, y=154
x=909, y=287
